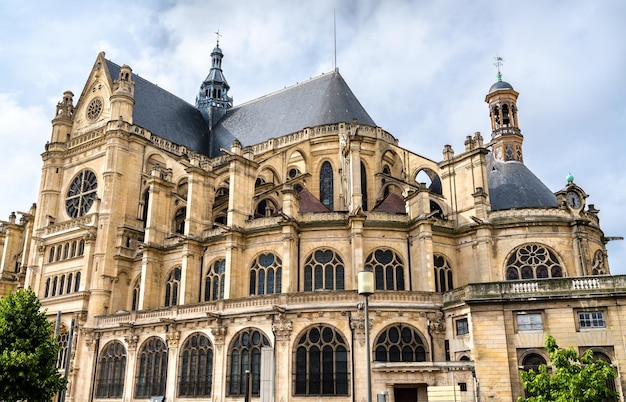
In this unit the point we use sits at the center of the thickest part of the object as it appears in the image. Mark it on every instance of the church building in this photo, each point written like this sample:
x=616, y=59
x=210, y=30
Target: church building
x=211, y=251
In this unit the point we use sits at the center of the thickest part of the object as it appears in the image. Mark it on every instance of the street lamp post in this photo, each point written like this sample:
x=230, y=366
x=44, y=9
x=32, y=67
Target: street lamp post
x=366, y=288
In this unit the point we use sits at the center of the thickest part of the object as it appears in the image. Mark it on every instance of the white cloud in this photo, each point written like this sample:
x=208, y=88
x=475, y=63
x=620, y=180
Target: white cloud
x=421, y=69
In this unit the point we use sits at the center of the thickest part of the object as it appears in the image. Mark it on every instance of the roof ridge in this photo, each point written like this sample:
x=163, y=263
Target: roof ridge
x=297, y=84
x=150, y=82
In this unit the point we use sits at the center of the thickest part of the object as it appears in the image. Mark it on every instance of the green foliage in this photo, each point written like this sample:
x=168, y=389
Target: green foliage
x=575, y=378
x=28, y=352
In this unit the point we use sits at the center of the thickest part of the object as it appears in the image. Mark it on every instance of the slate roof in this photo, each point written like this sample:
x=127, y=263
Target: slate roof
x=500, y=85
x=393, y=204
x=308, y=202
x=166, y=115
x=513, y=185
x=326, y=99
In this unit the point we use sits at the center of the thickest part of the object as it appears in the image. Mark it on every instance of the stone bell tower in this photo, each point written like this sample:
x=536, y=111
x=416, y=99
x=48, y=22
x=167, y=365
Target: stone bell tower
x=505, y=133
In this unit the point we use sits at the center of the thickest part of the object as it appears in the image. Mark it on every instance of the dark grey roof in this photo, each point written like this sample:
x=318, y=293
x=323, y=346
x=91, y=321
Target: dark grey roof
x=513, y=185
x=500, y=85
x=166, y=115
x=326, y=99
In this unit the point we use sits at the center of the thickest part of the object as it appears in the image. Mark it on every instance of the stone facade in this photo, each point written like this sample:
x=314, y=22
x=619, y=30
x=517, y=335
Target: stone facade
x=182, y=269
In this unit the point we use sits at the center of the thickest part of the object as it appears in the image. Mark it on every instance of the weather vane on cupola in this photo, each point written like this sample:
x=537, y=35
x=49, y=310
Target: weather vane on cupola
x=218, y=37
x=499, y=61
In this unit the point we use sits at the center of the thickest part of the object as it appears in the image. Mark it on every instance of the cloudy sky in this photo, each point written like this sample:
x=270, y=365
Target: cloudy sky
x=421, y=69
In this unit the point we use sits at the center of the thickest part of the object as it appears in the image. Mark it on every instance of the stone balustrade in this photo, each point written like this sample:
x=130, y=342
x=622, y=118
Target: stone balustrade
x=556, y=287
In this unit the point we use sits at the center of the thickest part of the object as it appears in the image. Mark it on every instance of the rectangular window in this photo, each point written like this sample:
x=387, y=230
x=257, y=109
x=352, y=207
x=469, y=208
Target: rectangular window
x=529, y=322
x=591, y=319
x=462, y=326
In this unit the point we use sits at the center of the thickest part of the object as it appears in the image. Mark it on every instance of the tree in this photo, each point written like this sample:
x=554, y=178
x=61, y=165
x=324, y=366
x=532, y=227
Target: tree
x=574, y=378
x=28, y=352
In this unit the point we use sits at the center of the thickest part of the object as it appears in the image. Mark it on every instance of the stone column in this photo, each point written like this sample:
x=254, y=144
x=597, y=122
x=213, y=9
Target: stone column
x=131, y=339
x=359, y=375
x=172, y=338
x=220, y=355
x=282, y=327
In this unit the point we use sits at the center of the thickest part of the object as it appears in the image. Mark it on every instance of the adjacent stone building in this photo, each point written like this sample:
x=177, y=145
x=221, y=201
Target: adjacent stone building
x=200, y=252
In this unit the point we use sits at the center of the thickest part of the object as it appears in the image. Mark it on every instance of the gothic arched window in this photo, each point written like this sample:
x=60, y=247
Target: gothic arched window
x=323, y=270
x=77, y=282
x=144, y=208
x=136, y=289
x=70, y=278
x=151, y=369
x=196, y=367
x=62, y=285
x=265, y=275
x=533, y=261
x=443, y=274
x=388, y=269
x=364, y=186
x=179, y=220
x=245, y=355
x=321, y=362
x=214, y=281
x=326, y=185
x=62, y=340
x=400, y=343
x=111, y=370
x=171, y=288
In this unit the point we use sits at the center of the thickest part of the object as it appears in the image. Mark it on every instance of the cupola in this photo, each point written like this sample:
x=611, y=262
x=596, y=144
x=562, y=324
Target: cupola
x=505, y=133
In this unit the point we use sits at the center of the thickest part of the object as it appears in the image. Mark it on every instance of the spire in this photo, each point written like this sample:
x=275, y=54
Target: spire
x=213, y=99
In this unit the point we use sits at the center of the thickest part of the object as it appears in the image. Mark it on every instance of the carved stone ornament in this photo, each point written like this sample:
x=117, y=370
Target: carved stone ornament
x=219, y=334
x=436, y=323
x=172, y=337
x=282, y=329
x=131, y=340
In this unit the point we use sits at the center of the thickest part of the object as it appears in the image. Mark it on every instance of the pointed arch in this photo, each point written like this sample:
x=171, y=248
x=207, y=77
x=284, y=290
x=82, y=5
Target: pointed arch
x=430, y=179
x=327, y=185
x=393, y=162
x=172, y=286
x=296, y=164
x=443, y=273
x=364, y=186
x=134, y=304
x=179, y=220
x=214, y=280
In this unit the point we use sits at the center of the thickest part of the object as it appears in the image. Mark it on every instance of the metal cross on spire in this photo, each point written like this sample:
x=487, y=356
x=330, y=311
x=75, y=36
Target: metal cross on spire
x=218, y=37
x=499, y=61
